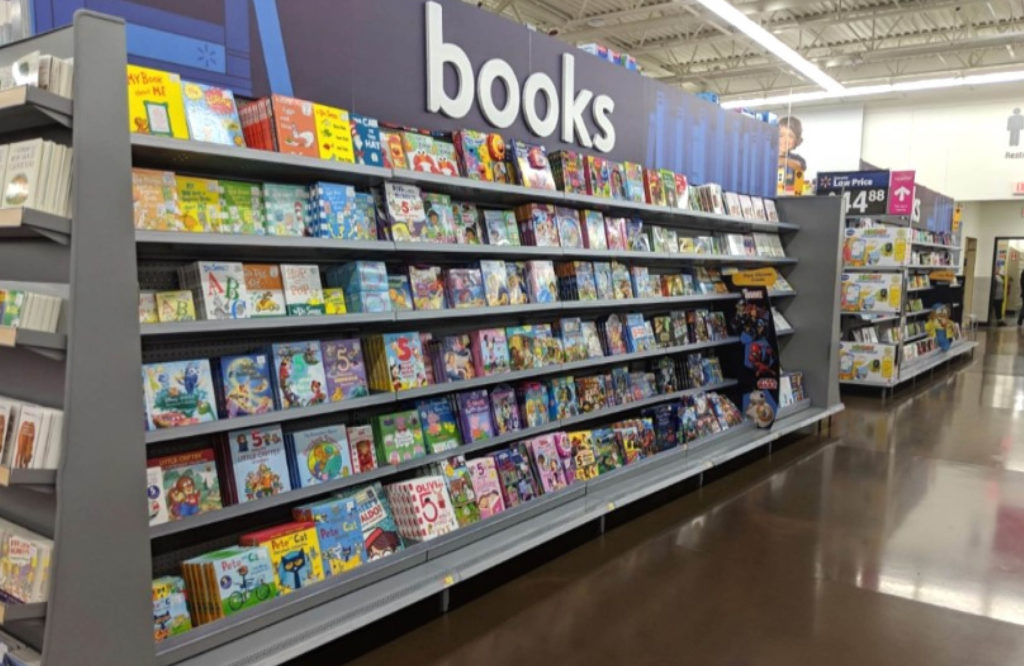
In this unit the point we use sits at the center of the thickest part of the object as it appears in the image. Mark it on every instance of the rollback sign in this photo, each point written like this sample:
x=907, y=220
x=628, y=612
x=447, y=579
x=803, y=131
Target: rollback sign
x=563, y=107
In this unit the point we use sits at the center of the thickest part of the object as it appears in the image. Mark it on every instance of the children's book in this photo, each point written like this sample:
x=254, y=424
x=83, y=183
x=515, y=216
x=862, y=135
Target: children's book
x=538, y=225
x=522, y=349
x=516, y=282
x=155, y=201
x=156, y=500
x=500, y=227
x=636, y=239
x=219, y=288
x=227, y=581
x=464, y=288
x=406, y=215
x=212, y=115
x=403, y=360
x=588, y=330
x=200, y=204
x=547, y=463
x=584, y=457
x=622, y=283
x=399, y=437
x=303, y=292
x=563, y=398
x=265, y=289
x=466, y=217
x=380, y=534
x=490, y=352
x=536, y=402
x=486, y=485
x=338, y=530
x=440, y=225
x=170, y=609
x=333, y=133
x=598, y=177
x=191, y=484
x=456, y=358
x=246, y=386
x=603, y=280
x=427, y=287
x=399, y=292
x=541, y=283
x=634, y=181
x=392, y=149
x=515, y=475
x=178, y=393
x=294, y=551
x=286, y=210
x=532, y=165
x=606, y=449
x=440, y=430
x=460, y=489
x=320, y=455
x=344, y=369
x=301, y=380
x=242, y=207
x=593, y=228
x=175, y=306
x=479, y=153
x=362, y=448
x=567, y=168
x=258, y=461
x=422, y=508
x=419, y=152
x=591, y=393
x=293, y=125
x=569, y=233
x=155, y=104
x=505, y=410
x=475, y=416
x=338, y=211
x=615, y=231
x=366, y=140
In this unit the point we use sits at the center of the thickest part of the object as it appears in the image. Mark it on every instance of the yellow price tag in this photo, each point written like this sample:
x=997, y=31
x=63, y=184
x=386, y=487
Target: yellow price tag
x=945, y=275
x=611, y=506
x=758, y=277
x=449, y=580
x=887, y=367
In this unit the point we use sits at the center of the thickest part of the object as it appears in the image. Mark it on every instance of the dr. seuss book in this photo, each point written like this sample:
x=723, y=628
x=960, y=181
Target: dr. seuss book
x=339, y=534
x=475, y=416
x=191, y=484
x=175, y=306
x=246, y=387
x=490, y=351
x=333, y=133
x=505, y=410
x=484, y=476
x=303, y=292
x=155, y=103
x=481, y=156
x=399, y=437
x=515, y=475
x=460, y=490
x=547, y=463
x=265, y=289
x=422, y=508
x=500, y=227
x=241, y=207
x=593, y=230
x=320, y=455
x=380, y=535
x=440, y=221
x=170, y=610
x=532, y=165
x=294, y=551
x=338, y=212
x=301, y=380
x=155, y=201
x=405, y=212
x=440, y=431
x=395, y=361
x=567, y=168
x=258, y=463
x=362, y=448
x=178, y=393
x=200, y=204
x=293, y=125
x=536, y=403
x=427, y=287
x=569, y=233
x=344, y=369
x=286, y=210
x=212, y=115
x=366, y=140
x=464, y=288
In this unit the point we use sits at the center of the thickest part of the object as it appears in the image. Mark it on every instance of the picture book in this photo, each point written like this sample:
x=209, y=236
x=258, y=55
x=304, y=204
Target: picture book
x=636, y=239
x=366, y=140
x=490, y=352
x=633, y=182
x=422, y=507
x=615, y=232
x=592, y=339
x=219, y=288
x=500, y=227
x=440, y=225
x=427, y=287
x=320, y=455
x=399, y=437
x=230, y=580
x=603, y=280
x=456, y=358
x=522, y=350
x=516, y=282
x=399, y=292
x=541, y=283
x=199, y=202
x=403, y=356
x=333, y=133
x=407, y=217
x=460, y=489
x=293, y=126
x=265, y=288
x=466, y=217
x=191, y=484
x=440, y=430
x=341, y=537
x=380, y=535
x=294, y=551
x=178, y=393
x=532, y=165
x=155, y=204
x=246, y=386
x=258, y=463
x=475, y=416
x=444, y=154
x=591, y=393
x=392, y=149
x=484, y=476
x=618, y=179
x=606, y=449
x=668, y=184
x=286, y=210
x=536, y=403
x=629, y=440
x=301, y=381
x=568, y=223
x=515, y=475
x=538, y=225
x=303, y=293
x=155, y=104
x=584, y=457
x=548, y=346
x=593, y=230
x=419, y=152
x=362, y=448
x=505, y=410
x=682, y=192
x=344, y=369
x=567, y=168
x=654, y=189
x=495, y=278
x=547, y=463
x=175, y=306
x=563, y=398
x=241, y=206
x=563, y=447
x=476, y=153
x=622, y=283
x=598, y=177
x=338, y=211
x=212, y=115
x=170, y=609
x=464, y=288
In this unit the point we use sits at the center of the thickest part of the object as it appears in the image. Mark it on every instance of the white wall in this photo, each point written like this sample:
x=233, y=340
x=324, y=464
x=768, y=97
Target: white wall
x=986, y=221
x=831, y=138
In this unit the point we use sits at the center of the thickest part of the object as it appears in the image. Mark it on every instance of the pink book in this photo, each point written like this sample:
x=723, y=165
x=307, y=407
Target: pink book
x=486, y=485
x=615, y=230
x=490, y=351
x=547, y=462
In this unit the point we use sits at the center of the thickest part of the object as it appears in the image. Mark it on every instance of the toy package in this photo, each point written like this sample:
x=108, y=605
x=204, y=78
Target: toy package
x=871, y=292
x=884, y=246
x=866, y=362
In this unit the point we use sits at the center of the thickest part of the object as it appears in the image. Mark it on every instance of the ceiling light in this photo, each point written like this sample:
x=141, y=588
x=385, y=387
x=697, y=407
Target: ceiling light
x=880, y=89
x=772, y=43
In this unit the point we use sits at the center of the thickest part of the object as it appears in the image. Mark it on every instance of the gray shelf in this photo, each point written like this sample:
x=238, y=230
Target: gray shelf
x=264, y=324
x=784, y=332
x=52, y=345
x=921, y=365
x=464, y=252
x=32, y=223
x=161, y=244
x=28, y=107
x=162, y=152
x=781, y=294
x=920, y=336
x=16, y=612
x=479, y=313
x=936, y=246
x=919, y=313
x=481, y=191
x=12, y=476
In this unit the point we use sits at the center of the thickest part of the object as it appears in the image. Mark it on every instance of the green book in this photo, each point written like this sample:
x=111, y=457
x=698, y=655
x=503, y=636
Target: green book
x=242, y=204
x=399, y=437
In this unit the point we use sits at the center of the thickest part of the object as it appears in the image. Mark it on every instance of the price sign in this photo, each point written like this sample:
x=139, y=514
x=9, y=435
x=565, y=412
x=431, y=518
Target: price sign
x=759, y=277
x=863, y=192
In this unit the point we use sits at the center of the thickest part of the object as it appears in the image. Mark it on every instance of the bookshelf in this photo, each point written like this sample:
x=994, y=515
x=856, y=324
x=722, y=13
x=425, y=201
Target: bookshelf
x=92, y=504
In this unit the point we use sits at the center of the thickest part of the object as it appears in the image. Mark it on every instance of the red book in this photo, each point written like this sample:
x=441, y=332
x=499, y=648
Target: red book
x=275, y=532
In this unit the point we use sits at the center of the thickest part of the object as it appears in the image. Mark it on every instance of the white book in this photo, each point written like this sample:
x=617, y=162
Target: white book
x=747, y=206
x=303, y=291
x=732, y=204
x=25, y=438
x=54, y=441
x=3, y=165
x=155, y=495
x=770, y=211
x=21, y=179
x=222, y=292
x=44, y=200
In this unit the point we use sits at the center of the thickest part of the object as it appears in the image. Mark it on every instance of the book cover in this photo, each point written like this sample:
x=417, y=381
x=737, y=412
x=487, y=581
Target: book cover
x=567, y=167
x=536, y=400
x=265, y=288
x=399, y=292
x=175, y=306
x=155, y=204
x=303, y=292
x=490, y=352
x=339, y=213
x=615, y=232
x=633, y=182
x=500, y=227
x=591, y=393
x=606, y=449
x=191, y=484
x=521, y=348
x=598, y=177
x=294, y=126
x=380, y=534
x=440, y=430
x=475, y=416
x=584, y=457
x=222, y=290
x=362, y=448
x=333, y=133
x=320, y=455
x=170, y=610
x=479, y=153
x=242, y=207
x=286, y=209
x=399, y=437
x=495, y=278
x=547, y=463
x=540, y=222
x=603, y=280
x=246, y=386
x=569, y=233
x=294, y=551
x=199, y=201
x=440, y=221
x=505, y=410
x=419, y=152
x=466, y=218
x=464, y=288
x=406, y=215
x=515, y=476
x=460, y=489
x=212, y=115
x=403, y=359
x=366, y=140
x=422, y=507
x=341, y=537
x=344, y=369
x=444, y=154
x=178, y=393
x=593, y=230
x=541, y=282
x=563, y=398
x=532, y=165
x=457, y=358
x=636, y=239
x=486, y=485
x=668, y=185
x=258, y=463
x=156, y=500
x=516, y=282
x=427, y=287
x=155, y=104
x=300, y=375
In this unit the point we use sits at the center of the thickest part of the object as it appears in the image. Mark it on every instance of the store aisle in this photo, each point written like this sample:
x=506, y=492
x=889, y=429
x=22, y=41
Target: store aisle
x=900, y=540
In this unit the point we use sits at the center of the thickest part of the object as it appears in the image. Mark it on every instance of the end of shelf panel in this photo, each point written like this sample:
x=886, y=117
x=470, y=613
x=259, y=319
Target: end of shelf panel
x=32, y=223
x=12, y=476
x=14, y=611
x=51, y=345
x=29, y=107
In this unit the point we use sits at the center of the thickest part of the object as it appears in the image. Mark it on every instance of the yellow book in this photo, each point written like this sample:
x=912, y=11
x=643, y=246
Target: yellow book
x=334, y=300
x=155, y=105
x=175, y=306
x=333, y=133
x=199, y=201
x=294, y=551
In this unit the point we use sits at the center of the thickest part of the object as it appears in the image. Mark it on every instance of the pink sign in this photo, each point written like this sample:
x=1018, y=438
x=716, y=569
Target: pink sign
x=901, y=193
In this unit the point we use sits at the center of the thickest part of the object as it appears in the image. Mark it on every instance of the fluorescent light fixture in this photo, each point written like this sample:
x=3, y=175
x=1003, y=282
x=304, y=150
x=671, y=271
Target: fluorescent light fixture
x=880, y=89
x=772, y=43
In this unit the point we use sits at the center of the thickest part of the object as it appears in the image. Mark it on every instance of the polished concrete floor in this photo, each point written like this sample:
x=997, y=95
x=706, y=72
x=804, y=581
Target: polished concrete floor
x=898, y=540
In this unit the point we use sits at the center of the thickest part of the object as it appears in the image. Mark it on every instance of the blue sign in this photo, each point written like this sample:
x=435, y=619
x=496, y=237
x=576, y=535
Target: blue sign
x=837, y=181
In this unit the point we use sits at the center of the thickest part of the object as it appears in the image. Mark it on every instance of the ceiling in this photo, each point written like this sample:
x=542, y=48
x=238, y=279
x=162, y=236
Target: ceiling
x=857, y=42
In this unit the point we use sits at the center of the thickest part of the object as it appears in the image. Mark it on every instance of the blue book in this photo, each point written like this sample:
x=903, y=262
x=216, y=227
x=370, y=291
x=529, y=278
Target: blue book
x=300, y=376
x=258, y=463
x=440, y=429
x=380, y=533
x=563, y=398
x=245, y=385
x=366, y=140
x=339, y=531
x=340, y=213
x=320, y=454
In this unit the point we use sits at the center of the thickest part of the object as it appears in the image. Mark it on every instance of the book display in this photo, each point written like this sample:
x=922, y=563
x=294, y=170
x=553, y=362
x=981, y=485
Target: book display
x=341, y=371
